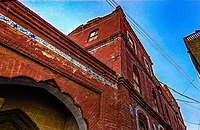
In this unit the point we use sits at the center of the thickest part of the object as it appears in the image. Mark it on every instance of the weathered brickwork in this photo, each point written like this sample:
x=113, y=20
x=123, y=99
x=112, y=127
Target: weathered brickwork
x=114, y=48
x=106, y=84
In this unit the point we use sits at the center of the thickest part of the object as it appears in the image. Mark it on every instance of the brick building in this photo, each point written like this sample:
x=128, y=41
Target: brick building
x=98, y=77
x=192, y=43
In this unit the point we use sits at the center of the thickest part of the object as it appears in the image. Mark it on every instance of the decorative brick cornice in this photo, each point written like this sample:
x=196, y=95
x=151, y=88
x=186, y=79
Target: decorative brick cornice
x=58, y=51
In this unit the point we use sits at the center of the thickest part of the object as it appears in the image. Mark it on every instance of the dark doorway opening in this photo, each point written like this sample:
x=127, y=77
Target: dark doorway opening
x=43, y=108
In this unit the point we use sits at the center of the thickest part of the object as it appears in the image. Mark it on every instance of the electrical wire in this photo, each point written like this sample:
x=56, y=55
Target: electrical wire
x=192, y=123
x=186, y=101
x=168, y=58
x=113, y=3
x=161, y=51
x=192, y=107
x=197, y=108
x=186, y=89
x=110, y=3
x=184, y=95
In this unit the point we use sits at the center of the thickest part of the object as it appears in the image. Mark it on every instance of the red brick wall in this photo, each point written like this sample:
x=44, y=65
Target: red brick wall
x=110, y=55
x=125, y=61
x=106, y=28
x=103, y=106
x=14, y=65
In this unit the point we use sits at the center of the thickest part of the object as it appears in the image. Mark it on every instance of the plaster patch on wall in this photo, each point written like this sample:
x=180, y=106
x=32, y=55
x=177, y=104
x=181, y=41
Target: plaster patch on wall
x=47, y=55
x=74, y=70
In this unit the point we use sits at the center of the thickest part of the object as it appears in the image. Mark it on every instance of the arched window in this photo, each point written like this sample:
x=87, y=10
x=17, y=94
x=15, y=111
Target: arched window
x=136, y=78
x=142, y=122
x=160, y=127
x=155, y=101
x=154, y=126
x=93, y=35
x=142, y=119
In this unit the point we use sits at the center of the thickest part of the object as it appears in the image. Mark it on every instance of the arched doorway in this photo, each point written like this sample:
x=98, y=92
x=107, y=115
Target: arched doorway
x=39, y=102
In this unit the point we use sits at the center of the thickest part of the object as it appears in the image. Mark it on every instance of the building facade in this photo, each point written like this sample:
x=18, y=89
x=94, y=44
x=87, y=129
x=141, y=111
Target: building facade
x=98, y=77
x=192, y=43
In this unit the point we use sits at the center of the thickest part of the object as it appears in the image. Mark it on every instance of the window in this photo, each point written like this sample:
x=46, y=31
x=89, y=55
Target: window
x=93, y=35
x=155, y=101
x=142, y=125
x=176, y=123
x=135, y=74
x=160, y=127
x=154, y=126
x=136, y=78
x=132, y=44
x=147, y=66
x=142, y=122
x=167, y=114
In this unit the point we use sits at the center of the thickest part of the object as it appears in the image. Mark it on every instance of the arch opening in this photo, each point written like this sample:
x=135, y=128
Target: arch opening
x=44, y=104
x=142, y=120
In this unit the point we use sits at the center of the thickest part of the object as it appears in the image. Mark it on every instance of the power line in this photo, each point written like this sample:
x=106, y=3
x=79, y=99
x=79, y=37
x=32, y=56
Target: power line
x=186, y=88
x=165, y=56
x=192, y=106
x=192, y=123
x=110, y=3
x=186, y=101
x=139, y=29
x=161, y=51
x=184, y=95
x=195, y=108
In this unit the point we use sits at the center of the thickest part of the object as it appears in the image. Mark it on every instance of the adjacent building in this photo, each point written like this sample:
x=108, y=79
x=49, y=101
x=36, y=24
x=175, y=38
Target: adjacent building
x=192, y=43
x=98, y=77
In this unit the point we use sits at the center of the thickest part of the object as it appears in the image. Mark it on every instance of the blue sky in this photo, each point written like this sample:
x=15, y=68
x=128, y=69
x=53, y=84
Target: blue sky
x=166, y=21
